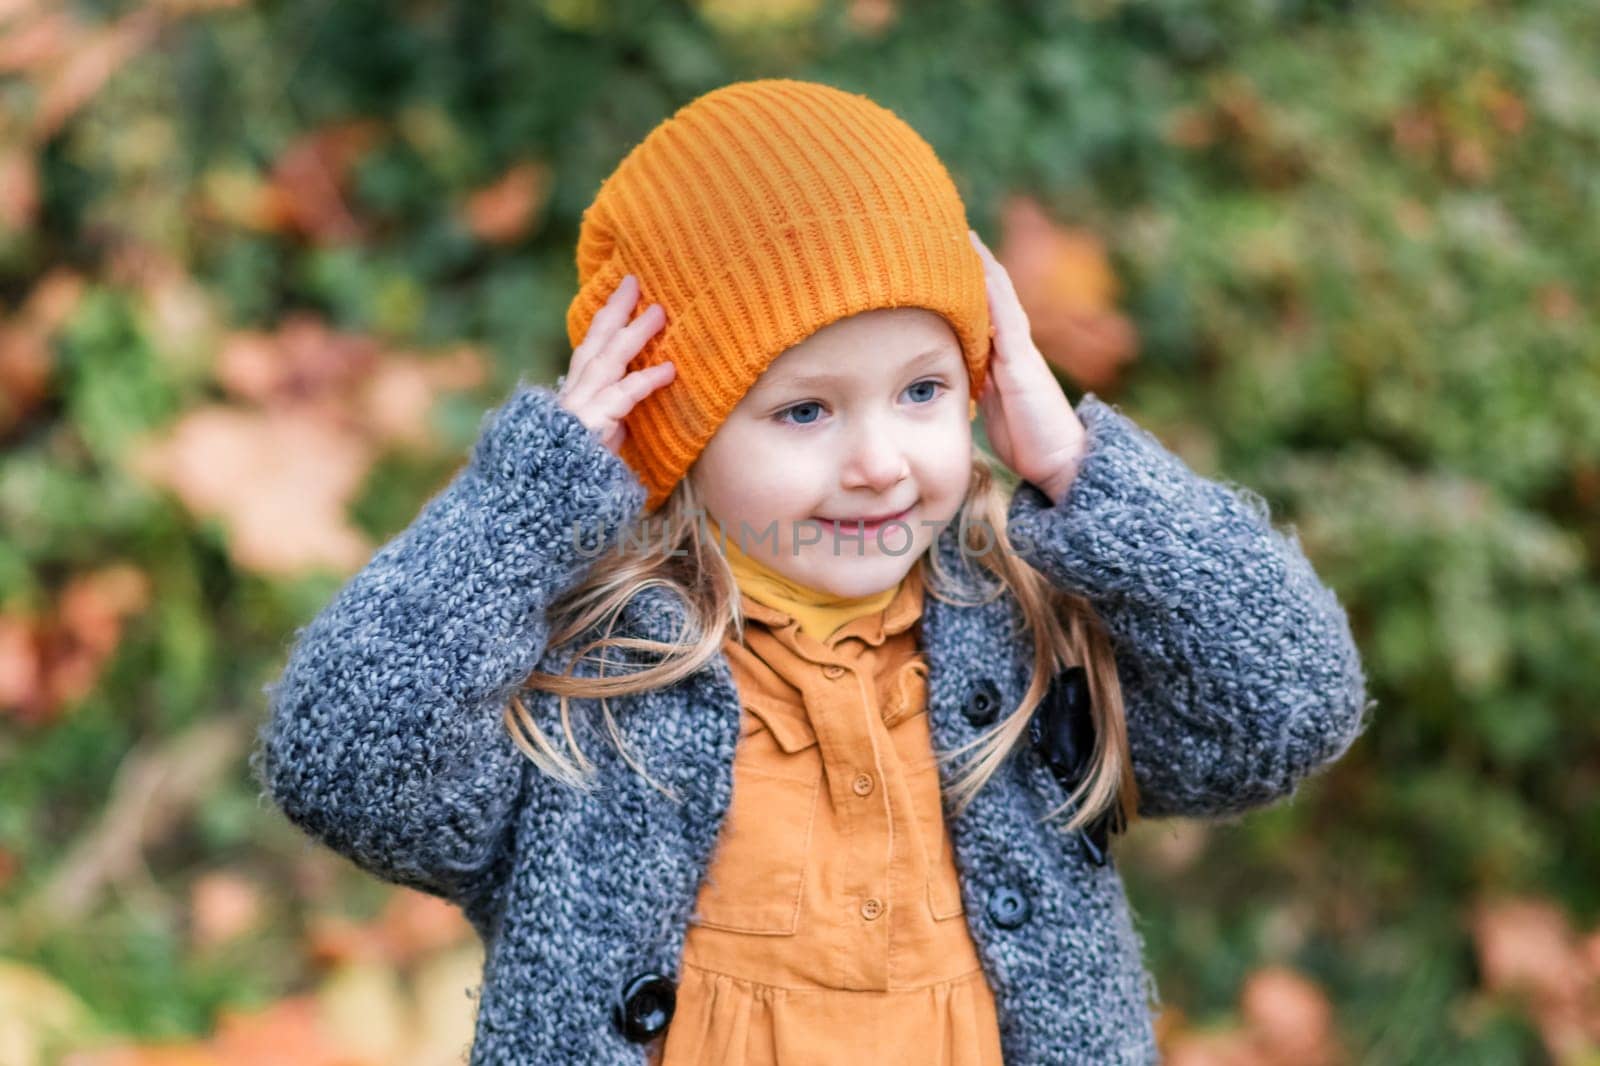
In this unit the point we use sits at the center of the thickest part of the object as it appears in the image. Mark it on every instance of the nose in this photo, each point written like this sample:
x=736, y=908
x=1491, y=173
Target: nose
x=877, y=460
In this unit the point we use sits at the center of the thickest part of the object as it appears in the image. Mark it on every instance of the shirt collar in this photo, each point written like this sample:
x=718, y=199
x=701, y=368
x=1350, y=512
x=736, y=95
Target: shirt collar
x=874, y=628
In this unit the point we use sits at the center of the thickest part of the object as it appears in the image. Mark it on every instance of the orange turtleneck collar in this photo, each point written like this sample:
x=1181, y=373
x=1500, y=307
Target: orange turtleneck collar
x=819, y=613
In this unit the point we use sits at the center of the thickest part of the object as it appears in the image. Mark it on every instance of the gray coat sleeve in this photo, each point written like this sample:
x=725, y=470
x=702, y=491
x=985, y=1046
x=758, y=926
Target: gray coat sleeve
x=384, y=738
x=1238, y=669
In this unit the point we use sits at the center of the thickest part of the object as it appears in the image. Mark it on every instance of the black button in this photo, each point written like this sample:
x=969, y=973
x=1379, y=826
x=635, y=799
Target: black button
x=1008, y=907
x=984, y=703
x=644, y=1007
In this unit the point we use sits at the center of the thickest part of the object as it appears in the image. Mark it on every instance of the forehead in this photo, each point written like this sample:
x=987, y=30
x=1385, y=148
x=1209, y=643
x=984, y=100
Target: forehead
x=866, y=346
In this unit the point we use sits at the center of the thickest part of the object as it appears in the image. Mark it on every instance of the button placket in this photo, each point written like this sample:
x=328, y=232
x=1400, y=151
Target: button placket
x=845, y=691
x=840, y=696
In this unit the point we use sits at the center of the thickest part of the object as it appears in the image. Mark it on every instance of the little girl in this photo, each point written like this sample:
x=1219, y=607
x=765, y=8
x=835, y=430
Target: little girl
x=742, y=712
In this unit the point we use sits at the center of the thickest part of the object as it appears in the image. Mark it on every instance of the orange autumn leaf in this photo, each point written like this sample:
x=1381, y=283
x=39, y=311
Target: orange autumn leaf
x=1229, y=1047
x=223, y=906
x=94, y=57
x=1527, y=944
x=306, y=191
x=1503, y=106
x=872, y=18
x=19, y=187
x=1415, y=131
x=346, y=378
x=1285, y=1020
x=37, y=43
x=1589, y=950
x=279, y=482
x=90, y=612
x=1174, y=845
x=1170, y=1025
x=22, y=669
x=398, y=398
x=302, y=363
x=53, y=300
x=1471, y=159
x=1557, y=302
x=1528, y=950
x=289, y=1031
x=91, y=607
x=412, y=925
x=1508, y=110
x=51, y=661
x=1289, y=1016
x=150, y=1055
x=24, y=373
x=26, y=358
x=504, y=211
x=415, y=923
x=278, y=472
x=1064, y=279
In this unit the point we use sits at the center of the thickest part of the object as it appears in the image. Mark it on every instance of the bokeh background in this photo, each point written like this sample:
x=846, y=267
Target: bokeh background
x=264, y=266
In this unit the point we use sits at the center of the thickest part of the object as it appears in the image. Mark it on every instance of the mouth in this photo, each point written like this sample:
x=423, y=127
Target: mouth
x=867, y=524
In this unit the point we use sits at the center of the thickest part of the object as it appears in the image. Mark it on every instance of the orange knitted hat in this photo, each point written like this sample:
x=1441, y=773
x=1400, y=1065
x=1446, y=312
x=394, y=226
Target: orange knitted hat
x=758, y=213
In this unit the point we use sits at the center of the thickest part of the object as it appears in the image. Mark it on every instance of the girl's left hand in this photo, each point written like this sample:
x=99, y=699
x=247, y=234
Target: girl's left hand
x=1030, y=423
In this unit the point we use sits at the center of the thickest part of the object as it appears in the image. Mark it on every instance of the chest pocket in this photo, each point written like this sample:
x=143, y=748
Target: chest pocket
x=754, y=881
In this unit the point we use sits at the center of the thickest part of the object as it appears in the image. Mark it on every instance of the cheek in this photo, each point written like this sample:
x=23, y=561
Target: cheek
x=945, y=460
x=759, y=476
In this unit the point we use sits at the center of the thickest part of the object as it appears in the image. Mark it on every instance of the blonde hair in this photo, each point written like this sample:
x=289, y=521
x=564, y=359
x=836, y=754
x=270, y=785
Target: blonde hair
x=1065, y=630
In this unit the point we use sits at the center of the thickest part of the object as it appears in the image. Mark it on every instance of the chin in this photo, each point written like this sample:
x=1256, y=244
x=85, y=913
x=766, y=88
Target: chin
x=866, y=575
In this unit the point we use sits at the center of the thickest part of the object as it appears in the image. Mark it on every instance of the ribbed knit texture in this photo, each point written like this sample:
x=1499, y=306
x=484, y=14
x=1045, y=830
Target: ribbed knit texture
x=755, y=215
x=385, y=740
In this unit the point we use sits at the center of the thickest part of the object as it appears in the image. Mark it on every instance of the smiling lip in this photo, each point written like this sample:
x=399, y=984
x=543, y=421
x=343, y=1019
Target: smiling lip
x=867, y=523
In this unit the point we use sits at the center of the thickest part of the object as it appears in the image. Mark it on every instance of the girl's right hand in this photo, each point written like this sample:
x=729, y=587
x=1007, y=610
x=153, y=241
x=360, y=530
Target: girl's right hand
x=595, y=390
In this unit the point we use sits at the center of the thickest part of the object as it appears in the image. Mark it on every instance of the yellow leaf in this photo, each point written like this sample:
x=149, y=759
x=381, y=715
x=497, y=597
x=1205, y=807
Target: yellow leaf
x=38, y=1016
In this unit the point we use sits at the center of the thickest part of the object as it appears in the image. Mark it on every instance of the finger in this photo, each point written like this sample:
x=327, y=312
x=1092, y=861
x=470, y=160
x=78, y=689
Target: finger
x=629, y=341
x=1005, y=308
x=618, y=399
x=608, y=366
x=605, y=324
x=642, y=383
x=605, y=367
x=583, y=380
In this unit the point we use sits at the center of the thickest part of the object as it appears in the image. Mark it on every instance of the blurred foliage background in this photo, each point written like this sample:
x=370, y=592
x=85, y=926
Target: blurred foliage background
x=263, y=268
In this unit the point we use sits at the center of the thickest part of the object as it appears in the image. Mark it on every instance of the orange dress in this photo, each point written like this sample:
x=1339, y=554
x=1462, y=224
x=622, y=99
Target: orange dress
x=829, y=928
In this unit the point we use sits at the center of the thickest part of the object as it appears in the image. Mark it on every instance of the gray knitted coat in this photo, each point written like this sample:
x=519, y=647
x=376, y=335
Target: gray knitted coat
x=385, y=740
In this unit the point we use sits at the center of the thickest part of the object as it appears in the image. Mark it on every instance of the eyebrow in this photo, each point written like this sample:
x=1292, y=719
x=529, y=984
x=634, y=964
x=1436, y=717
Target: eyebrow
x=816, y=380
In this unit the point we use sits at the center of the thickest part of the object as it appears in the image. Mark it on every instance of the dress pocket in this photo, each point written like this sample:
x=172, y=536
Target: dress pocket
x=757, y=871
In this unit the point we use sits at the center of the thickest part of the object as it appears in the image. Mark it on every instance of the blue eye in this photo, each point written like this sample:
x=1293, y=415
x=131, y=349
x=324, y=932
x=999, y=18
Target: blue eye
x=933, y=385
x=798, y=407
